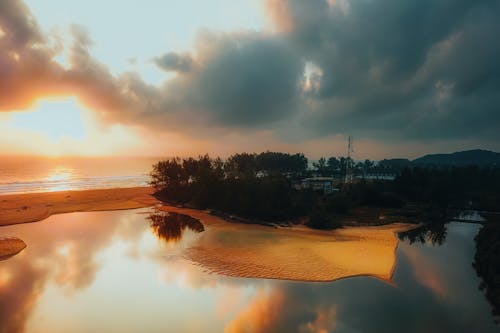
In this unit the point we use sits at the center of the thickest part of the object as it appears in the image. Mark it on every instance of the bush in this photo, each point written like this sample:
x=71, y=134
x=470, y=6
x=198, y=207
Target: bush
x=319, y=219
x=339, y=204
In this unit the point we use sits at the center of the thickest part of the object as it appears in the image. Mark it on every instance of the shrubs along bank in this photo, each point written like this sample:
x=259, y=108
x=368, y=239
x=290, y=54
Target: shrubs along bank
x=258, y=186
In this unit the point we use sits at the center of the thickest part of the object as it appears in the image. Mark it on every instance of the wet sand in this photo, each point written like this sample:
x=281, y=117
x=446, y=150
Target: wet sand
x=296, y=253
x=10, y=247
x=240, y=250
x=32, y=207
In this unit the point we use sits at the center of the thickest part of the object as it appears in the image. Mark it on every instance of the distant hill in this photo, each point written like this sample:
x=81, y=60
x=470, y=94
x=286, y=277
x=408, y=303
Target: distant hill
x=477, y=157
x=397, y=163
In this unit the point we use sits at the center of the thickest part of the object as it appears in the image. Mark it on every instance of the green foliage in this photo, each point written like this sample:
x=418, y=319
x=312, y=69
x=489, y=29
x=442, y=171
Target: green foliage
x=258, y=186
x=339, y=203
x=320, y=219
x=233, y=186
x=321, y=167
x=241, y=165
x=275, y=162
x=461, y=187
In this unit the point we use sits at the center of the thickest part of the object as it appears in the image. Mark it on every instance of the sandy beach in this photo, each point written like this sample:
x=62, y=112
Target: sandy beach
x=240, y=250
x=296, y=253
x=32, y=207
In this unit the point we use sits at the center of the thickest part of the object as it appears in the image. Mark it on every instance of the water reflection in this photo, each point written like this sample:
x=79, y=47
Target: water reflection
x=432, y=233
x=60, y=253
x=105, y=271
x=486, y=264
x=170, y=226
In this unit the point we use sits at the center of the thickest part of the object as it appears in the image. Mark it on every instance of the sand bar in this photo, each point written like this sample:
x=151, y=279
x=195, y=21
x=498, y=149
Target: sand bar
x=296, y=253
x=233, y=249
x=32, y=207
x=10, y=247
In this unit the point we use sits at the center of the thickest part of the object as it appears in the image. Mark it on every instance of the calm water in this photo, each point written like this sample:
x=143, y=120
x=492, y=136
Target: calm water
x=38, y=174
x=121, y=272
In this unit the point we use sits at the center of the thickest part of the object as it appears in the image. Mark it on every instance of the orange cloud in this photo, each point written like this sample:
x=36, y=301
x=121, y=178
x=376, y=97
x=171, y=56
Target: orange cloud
x=324, y=323
x=428, y=272
x=280, y=14
x=261, y=314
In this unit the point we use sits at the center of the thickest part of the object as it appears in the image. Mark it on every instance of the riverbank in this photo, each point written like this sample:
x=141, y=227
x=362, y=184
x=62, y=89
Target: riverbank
x=235, y=249
x=32, y=207
x=292, y=253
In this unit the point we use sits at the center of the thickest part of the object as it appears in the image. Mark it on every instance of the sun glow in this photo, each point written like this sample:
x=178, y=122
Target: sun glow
x=57, y=118
x=59, y=178
x=62, y=126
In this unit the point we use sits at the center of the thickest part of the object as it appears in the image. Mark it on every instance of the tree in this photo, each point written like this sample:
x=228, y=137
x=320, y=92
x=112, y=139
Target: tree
x=333, y=165
x=275, y=162
x=320, y=219
x=321, y=166
x=168, y=174
x=367, y=166
x=241, y=165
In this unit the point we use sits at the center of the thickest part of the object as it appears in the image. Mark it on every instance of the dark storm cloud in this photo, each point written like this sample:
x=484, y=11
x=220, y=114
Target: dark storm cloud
x=385, y=69
x=400, y=69
x=248, y=81
x=239, y=80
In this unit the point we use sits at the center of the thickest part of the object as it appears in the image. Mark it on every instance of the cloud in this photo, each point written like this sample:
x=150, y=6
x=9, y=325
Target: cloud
x=382, y=70
x=261, y=315
x=239, y=80
x=384, y=63
x=244, y=80
x=174, y=62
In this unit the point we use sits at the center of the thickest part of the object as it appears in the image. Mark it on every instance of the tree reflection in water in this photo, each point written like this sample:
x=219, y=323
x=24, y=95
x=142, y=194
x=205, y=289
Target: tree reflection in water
x=432, y=233
x=170, y=226
x=487, y=265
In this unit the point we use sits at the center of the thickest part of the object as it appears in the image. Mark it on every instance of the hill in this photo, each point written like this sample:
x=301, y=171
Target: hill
x=479, y=157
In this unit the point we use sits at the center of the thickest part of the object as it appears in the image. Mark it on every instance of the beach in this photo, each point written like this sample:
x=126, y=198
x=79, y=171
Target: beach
x=32, y=207
x=233, y=249
x=293, y=253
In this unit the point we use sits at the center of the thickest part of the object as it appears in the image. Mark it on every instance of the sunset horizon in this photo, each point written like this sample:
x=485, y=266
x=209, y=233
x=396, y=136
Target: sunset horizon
x=250, y=166
x=267, y=77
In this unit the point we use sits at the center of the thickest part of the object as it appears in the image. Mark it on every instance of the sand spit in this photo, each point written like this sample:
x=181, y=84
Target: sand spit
x=10, y=247
x=32, y=207
x=241, y=250
x=296, y=253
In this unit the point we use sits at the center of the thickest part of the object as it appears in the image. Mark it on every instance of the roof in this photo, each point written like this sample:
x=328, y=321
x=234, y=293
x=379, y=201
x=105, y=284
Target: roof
x=319, y=179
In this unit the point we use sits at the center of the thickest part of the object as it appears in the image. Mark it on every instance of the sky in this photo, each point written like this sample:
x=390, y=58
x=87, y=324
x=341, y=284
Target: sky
x=151, y=77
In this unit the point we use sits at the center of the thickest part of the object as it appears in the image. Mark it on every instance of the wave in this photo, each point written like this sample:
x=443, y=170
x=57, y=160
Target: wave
x=82, y=183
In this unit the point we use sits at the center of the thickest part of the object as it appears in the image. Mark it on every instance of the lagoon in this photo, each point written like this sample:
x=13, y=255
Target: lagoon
x=113, y=271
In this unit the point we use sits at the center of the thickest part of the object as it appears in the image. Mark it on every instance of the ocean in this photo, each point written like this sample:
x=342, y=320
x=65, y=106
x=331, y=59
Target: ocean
x=40, y=174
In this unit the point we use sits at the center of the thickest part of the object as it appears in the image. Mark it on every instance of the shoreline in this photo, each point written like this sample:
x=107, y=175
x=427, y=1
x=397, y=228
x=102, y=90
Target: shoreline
x=294, y=252
x=34, y=207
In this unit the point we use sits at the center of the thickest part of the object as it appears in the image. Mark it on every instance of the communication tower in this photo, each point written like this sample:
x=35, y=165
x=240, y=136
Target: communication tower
x=349, y=162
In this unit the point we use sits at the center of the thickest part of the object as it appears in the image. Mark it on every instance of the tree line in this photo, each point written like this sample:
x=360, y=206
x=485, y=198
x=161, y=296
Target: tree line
x=258, y=186
x=250, y=185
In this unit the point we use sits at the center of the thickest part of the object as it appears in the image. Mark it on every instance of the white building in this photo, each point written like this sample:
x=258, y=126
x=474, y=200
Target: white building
x=324, y=184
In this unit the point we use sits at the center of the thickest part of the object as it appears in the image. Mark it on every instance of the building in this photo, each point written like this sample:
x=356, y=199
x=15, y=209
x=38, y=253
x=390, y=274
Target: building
x=324, y=184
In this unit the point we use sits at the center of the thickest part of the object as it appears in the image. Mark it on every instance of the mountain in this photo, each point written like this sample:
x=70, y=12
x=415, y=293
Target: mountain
x=479, y=157
x=398, y=163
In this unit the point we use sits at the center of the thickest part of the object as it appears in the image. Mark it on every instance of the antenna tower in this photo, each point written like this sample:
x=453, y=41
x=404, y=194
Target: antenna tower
x=349, y=162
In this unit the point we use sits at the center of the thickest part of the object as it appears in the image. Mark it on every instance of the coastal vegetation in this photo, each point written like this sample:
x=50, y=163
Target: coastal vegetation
x=259, y=187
